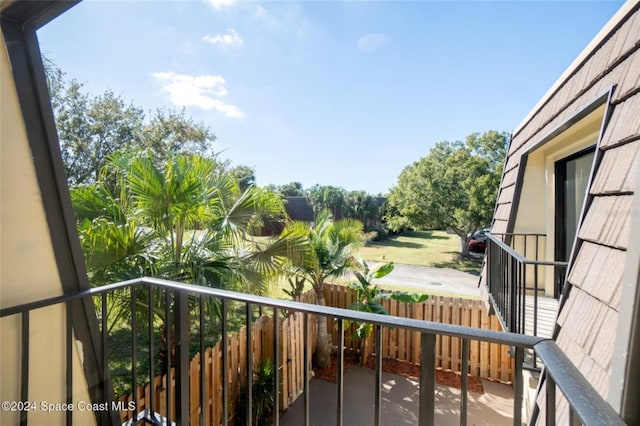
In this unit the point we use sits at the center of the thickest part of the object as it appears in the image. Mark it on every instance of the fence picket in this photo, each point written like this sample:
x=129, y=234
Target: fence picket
x=402, y=333
x=437, y=317
x=446, y=340
x=285, y=337
x=456, y=314
x=485, y=323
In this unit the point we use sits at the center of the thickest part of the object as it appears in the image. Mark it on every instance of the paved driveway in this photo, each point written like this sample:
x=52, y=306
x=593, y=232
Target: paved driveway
x=435, y=279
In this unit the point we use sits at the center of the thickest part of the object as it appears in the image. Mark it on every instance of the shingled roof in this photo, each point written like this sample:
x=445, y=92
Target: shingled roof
x=298, y=208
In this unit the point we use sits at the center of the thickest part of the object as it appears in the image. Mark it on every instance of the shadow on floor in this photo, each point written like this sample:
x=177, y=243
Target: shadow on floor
x=399, y=402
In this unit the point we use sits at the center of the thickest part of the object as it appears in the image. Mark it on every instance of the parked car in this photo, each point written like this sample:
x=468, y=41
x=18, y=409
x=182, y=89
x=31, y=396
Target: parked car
x=478, y=241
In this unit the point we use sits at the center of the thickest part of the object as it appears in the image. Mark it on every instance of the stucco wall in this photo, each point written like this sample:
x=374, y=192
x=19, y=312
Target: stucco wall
x=28, y=272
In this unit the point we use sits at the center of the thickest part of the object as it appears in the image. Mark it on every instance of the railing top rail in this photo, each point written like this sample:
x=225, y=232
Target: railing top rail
x=520, y=234
x=586, y=402
x=346, y=314
x=520, y=258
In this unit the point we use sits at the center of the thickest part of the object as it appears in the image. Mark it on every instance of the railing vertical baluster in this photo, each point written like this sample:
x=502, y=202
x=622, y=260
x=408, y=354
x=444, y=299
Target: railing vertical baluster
x=340, y=373
x=24, y=365
x=518, y=387
x=203, y=360
x=507, y=294
x=535, y=301
x=276, y=366
x=427, y=379
x=535, y=310
x=550, y=388
x=103, y=343
x=69, y=361
x=465, y=382
x=152, y=374
x=491, y=269
x=249, y=344
x=573, y=417
x=524, y=298
x=167, y=322
x=378, y=385
x=182, y=356
x=519, y=291
x=306, y=367
x=513, y=319
x=134, y=347
x=225, y=366
x=503, y=291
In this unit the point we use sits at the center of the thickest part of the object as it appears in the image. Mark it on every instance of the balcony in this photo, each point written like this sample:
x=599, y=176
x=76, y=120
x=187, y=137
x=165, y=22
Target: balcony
x=521, y=283
x=185, y=399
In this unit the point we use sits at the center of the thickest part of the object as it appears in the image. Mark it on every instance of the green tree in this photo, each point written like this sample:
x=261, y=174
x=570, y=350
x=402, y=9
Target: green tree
x=268, y=223
x=454, y=187
x=91, y=128
x=332, y=248
x=172, y=132
x=178, y=220
x=245, y=176
x=292, y=189
x=363, y=207
x=327, y=198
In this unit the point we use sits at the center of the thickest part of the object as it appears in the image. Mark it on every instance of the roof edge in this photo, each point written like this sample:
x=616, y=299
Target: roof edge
x=609, y=27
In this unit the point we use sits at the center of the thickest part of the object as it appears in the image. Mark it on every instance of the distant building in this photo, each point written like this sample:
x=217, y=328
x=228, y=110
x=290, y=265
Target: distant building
x=299, y=208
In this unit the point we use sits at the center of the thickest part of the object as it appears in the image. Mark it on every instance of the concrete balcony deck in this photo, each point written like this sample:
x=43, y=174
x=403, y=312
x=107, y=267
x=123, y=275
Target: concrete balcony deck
x=399, y=402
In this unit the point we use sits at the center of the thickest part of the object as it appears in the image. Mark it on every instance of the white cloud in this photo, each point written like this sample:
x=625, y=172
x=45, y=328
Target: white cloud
x=262, y=15
x=231, y=38
x=202, y=91
x=219, y=4
x=283, y=18
x=260, y=12
x=372, y=43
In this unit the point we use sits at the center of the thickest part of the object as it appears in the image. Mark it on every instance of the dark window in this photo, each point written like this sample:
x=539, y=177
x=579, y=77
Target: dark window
x=572, y=176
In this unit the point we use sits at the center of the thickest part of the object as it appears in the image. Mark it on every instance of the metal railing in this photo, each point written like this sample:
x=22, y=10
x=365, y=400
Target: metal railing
x=176, y=300
x=512, y=278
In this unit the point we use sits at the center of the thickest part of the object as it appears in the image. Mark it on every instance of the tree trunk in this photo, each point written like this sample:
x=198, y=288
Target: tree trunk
x=323, y=351
x=464, y=245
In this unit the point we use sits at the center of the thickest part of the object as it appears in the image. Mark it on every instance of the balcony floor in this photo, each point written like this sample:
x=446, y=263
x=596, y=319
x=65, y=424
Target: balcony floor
x=547, y=311
x=399, y=402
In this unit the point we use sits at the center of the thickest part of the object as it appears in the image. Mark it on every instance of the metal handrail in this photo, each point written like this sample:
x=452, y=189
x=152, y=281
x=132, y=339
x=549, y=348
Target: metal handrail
x=451, y=330
x=521, y=258
x=585, y=402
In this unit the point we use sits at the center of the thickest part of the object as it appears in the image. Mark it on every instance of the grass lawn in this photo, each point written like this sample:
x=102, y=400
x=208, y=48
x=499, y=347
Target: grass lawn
x=426, y=248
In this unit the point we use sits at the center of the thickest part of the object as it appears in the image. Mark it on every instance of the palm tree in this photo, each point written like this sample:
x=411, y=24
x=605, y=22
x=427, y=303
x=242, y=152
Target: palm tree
x=332, y=250
x=183, y=220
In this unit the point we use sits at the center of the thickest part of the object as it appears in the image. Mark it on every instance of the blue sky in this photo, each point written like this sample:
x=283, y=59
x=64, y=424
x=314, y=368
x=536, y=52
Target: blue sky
x=335, y=93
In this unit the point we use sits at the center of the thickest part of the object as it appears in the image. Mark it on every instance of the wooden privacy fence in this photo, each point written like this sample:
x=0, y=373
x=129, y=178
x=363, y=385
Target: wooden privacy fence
x=486, y=360
x=291, y=371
